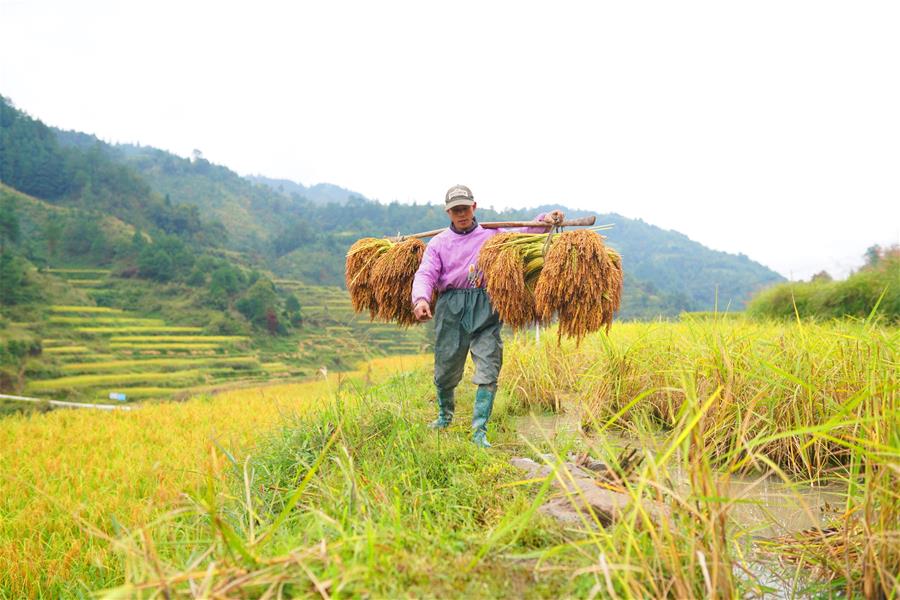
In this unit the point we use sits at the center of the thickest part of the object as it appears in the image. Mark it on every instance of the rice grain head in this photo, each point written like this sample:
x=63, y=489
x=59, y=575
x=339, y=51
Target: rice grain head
x=578, y=272
x=510, y=263
x=358, y=271
x=391, y=281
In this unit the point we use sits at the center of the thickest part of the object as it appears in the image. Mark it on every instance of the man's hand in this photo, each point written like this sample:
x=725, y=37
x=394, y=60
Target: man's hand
x=554, y=218
x=422, y=311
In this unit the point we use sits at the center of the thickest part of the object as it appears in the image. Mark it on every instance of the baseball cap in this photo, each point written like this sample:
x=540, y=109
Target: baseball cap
x=458, y=195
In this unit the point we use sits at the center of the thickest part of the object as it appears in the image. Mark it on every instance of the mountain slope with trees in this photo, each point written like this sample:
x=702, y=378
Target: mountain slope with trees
x=181, y=210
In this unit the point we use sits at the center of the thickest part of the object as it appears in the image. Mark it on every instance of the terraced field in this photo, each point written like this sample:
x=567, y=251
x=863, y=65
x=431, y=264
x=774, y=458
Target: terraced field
x=337, y=331
x=91, y=352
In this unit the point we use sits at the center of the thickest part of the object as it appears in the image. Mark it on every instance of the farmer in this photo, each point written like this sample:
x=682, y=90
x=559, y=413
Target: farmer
x=465, y=321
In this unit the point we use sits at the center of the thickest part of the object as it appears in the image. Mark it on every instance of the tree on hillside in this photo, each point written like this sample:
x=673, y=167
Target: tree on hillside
x=224, y=283
x=260, y=306
x=15, y=286
x=292, y=310
x=53, y=231
x=872, y=255
x=166, y=259
x=9, y=223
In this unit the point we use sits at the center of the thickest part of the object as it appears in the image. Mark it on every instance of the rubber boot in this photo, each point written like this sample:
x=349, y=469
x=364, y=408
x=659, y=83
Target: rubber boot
x=484, y=403
x=445, y=410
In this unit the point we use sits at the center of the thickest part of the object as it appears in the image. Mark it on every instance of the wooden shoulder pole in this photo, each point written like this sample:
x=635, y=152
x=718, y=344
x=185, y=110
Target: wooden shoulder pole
x=580, y=222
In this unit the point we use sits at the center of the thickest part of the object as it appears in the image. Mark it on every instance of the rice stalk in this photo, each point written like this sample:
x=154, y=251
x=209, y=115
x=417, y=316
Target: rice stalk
x=360, y=260
x=391, y=280
x=511, y=263
x=581, y=282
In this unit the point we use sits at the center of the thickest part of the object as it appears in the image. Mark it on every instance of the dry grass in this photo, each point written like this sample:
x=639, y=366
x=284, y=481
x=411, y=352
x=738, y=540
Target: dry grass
x=580, y=282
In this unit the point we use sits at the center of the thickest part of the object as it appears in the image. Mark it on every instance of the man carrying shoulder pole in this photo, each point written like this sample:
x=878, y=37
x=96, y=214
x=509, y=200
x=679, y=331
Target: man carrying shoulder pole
x=465, y=321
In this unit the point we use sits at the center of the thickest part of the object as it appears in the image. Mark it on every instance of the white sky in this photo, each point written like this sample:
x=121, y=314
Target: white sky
x=768, y=127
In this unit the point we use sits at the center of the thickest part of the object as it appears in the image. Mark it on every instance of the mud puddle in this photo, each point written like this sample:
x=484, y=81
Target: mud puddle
x=761, y=505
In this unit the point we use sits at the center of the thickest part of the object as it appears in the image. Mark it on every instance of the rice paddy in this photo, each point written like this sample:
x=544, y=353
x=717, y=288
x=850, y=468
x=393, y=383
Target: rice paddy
x=124, y=329
x=71, y=480
x=94, y=381
x=339, y=489
x=81, y=320
x=87, y=310
x=90, y=342
x=67, y=350
x=165, y=347
x=139, y=364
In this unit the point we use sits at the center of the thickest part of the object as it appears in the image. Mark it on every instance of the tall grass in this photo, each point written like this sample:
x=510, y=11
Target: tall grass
x=775, y=378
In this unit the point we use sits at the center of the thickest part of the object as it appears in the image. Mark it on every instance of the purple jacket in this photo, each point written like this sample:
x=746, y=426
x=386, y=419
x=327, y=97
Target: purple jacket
x=450, y=260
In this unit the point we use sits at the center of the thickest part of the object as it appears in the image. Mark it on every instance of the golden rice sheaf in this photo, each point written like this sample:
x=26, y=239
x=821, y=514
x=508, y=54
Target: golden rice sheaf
x=391, y=280
x=577, y=271
x=360, y=261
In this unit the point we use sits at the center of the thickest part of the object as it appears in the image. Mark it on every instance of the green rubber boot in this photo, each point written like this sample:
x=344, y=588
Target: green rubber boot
x=484, y=403
x=445, y=410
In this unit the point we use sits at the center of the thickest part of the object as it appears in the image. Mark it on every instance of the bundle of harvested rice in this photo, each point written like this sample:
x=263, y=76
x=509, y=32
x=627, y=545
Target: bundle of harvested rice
x=511, y=263
x=360, y=261
x=391, y=280
x=581, y=282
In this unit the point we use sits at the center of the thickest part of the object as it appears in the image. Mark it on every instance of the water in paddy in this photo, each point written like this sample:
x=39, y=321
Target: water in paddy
x=764, y=506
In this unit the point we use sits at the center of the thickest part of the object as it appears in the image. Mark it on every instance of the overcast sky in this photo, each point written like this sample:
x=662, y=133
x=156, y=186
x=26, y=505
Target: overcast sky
x=768, y=128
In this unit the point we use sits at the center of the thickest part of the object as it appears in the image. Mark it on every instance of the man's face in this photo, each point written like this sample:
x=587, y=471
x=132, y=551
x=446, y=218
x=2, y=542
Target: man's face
x=462, y=216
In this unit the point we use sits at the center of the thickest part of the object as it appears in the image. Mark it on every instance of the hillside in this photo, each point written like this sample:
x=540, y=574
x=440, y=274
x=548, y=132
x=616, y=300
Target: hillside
x=302, y=233
x=320, y=193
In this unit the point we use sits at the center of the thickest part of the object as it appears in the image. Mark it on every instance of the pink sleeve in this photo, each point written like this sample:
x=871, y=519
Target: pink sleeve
x=427, y=275
x=540, y=217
